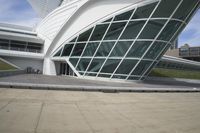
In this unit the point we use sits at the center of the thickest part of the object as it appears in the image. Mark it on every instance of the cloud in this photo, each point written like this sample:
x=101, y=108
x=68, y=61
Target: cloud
x=18, y=12
x=191, y=34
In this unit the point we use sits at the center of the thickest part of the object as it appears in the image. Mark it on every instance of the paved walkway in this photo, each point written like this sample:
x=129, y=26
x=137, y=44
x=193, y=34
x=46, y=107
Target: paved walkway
x=50, y=111
x=71, y=83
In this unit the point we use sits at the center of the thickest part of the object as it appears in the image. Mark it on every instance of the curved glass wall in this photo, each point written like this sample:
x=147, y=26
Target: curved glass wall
x=128, y=45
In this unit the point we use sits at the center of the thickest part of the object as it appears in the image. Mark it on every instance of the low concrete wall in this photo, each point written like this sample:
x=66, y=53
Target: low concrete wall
x=11, y=72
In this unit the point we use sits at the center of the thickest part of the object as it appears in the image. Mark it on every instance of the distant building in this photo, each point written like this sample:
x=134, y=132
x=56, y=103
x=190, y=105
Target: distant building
x=190, y=53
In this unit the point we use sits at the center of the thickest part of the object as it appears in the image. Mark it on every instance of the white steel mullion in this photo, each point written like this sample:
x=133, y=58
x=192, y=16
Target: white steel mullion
x=170, y=40
x=75, y=43
x=155, y=38
x=117, y=42
x=85, y=46
x=98, y=46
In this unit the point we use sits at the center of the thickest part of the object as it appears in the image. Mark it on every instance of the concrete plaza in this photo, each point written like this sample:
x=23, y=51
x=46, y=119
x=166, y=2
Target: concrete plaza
x=49, y=111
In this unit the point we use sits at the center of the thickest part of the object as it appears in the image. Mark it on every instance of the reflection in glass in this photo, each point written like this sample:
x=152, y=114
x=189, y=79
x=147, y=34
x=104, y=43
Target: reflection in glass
x=110, y=66
x=82, y=65
x=152, y=28
x=123, y=16
x=104, y=49
x=67, y=49
x=138, y=49
x=114, y=31
x=99, y=32
x=169, y=30
x=144, y=11
x=78, y=49
x=126, y=66
x=155, y=50
x=141, y=68
x=90, y=49
x=121, y=48
x=132, y=29
x=165, y=8
x=96, y=65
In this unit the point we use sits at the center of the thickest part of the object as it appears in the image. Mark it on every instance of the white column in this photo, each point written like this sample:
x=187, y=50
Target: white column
x=49, y=67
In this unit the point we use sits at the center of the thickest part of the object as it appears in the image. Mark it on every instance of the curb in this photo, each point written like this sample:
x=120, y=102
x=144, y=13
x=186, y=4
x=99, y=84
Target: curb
x=105, y=89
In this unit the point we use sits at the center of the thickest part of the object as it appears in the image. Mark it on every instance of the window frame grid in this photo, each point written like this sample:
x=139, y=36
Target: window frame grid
x=155, y=38
x=156, y=59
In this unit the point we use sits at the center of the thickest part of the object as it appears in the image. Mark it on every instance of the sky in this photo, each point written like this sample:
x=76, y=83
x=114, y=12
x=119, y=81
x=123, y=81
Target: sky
x=21, y=13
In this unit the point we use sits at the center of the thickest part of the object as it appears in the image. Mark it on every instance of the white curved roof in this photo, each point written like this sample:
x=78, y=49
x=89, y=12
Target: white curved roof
x=44, y=7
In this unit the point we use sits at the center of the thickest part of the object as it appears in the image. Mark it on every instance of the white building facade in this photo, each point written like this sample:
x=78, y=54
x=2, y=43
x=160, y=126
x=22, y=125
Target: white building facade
x=102, y=39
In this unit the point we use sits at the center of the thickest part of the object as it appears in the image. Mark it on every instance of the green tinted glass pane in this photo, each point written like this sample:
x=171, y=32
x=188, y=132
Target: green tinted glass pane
x=99, y=32
x=155, y=50
x=110, y=66
x=141, y=68
x=126, y=66
x=152, y=28
x=132, y=29
x=74, y=61
x=185, y=9
x=121, y=48
x=78, y=49
x=138, y=49
x=144, y=11
x=84, y=36
x=165, y=8
x=123, y=16
x=82, y=65
x=114, y=31
x=58, y=53
x=104, y=49
x=67, y=49
x=169, y=30
x=133, y=78
x=119, y=77
x=96, y=65
x=91, y=48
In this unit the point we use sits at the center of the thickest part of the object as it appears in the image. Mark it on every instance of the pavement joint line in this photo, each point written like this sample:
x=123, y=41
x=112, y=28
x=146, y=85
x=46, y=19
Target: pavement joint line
x=9, y=102
x=39, y=117
x=88, y=123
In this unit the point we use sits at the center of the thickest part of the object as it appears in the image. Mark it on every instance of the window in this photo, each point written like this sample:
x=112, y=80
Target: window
x=99, y=32
x=138, y=49
x=121, y=48
x=78, y=49
x=126, y=66
x=132, y=29
x=165, y=8
x=67, y=49
x=85, y=35
x=104, y=49
x=152, y=28
x=141, y=68
x=154, y=51
x=123, y=16
x=110, y=66
x=82, y=66
x=114, y=31
x=96, y=65
x=144, y=11
x=90, y=49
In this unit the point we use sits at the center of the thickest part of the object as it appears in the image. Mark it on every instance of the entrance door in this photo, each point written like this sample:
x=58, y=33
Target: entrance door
x=65, y=69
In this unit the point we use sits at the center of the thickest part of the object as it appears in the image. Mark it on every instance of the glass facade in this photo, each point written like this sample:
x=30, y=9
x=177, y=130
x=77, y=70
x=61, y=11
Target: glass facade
x=128, y=45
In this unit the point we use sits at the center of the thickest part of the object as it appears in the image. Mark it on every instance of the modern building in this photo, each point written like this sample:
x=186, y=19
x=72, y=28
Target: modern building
x=99, y=39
